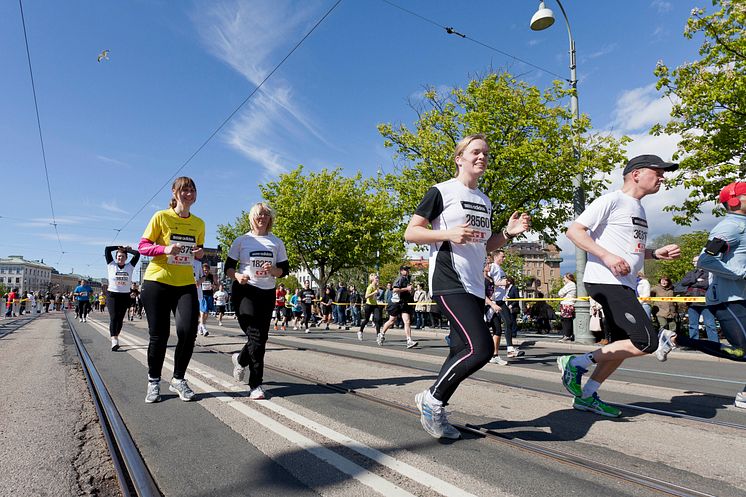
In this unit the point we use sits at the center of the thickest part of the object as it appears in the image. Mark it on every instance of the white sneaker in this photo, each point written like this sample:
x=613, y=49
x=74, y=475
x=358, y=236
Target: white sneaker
x=154, y=392
x=85, y=319
x=380, y=339
x=238, y=370
x=515, y=353
x=220, y=323
x=360, y=335
x=114, y=344
x=204, y=331
x=411, y=343
x=740, y=400
x=257, y=393
x=182, y=388
x=433, y=418
x=498, y=360
x=295, y=328
x=665, y=345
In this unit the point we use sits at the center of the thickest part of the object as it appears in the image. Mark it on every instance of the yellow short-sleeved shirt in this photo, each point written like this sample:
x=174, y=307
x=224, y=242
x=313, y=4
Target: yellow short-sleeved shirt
x=166, y=228
x=371, y=288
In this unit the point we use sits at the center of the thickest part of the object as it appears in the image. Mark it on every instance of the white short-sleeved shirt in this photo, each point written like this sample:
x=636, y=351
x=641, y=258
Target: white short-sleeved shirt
x=457, y=267
x=198, y=273
x=617, y=222
x=252, y=251
x=496, y=273
x=120, y=278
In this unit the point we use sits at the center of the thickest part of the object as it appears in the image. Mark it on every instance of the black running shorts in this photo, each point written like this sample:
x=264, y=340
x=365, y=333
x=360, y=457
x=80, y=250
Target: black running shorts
x=624, y=315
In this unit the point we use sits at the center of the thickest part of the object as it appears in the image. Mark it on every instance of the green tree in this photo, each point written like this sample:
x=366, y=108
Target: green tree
x=709, y=107
x=328, y=222
x=532, y=160
x=691, y=245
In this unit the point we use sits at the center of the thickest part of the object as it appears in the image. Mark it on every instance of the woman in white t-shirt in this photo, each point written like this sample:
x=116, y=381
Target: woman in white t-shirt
x=567, y=306
x=118, y=292
x=221, y=300
x=254, y=261
x=455, y=219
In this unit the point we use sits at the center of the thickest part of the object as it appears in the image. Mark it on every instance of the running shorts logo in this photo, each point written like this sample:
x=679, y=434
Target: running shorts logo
x=630, y=318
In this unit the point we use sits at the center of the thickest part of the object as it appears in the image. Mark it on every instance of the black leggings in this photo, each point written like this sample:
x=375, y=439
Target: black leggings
x=732, y=318
x=504, y=317
x=160, y=301
x=471, y=343
x=307, y=312
x=117, y=304
x=254, y=310
x=82, y=309
x=375, y=310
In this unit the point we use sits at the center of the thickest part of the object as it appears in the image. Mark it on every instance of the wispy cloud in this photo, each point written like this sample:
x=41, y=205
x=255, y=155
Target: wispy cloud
x=640, y=108
x=109, y=160
x=113, y=207
x=251, y=38
x=661, y=6
x=605, y=50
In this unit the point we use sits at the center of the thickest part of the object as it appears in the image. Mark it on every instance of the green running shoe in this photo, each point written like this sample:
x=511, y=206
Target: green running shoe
x=571, y=375
x=594, y=404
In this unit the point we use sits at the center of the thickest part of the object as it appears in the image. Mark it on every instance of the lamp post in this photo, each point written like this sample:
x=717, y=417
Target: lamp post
x=542, y=19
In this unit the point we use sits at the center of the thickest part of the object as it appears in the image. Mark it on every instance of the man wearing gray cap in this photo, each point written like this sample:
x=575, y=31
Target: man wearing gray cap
x=613, y=230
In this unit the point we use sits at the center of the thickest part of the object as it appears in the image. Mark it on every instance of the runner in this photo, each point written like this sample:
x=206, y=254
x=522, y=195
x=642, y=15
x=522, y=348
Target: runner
x=254, y=261
x=135, y=303
x=207, y=302
x=199, y=277
x=371, y=307
x=296, y=305
x=400, y=306
x=724, y=257
x=173, y=238
x=82, y=295
x=616, y=253
x=307, y=298
x=120, y=281
x=221, y=300
x=280, y=297
x=459, y=237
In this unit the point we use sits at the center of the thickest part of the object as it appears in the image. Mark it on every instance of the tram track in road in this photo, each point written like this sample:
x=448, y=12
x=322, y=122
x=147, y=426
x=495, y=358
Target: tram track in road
x=643, y=409
x=599, y=471
x=9, y=325
x=132, y=473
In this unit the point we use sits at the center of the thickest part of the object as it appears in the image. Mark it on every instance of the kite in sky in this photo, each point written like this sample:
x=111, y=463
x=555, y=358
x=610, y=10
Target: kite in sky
x=103, y=55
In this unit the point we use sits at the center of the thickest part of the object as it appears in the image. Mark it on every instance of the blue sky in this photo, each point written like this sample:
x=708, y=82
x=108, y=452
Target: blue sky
x=116, y=131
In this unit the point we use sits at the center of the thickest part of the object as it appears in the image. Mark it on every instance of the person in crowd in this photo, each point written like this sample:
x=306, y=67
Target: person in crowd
x=296, y=304
x=207, y=300
x=135, y=303
x=255, y=260
x=340, y=308
x=326, y=305
x=454, y=218
x=173, y=239
x=514, y=308
x=355, y=301
x=372, y=307
x=119, y=272
x=221, y=302
x=400, y=307
x=613, y=231
x=724, y=257
x=420, y=308
x=696, y=282
x=596, y=322
x=664, y=312
x=567, y=293
x=643, y=293
x=82, y=295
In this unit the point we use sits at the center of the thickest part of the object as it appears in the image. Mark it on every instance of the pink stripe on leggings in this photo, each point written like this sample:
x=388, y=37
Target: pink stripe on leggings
x=468, y=339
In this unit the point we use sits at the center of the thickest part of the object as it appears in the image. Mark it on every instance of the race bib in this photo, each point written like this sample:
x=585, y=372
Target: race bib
x=257, y=259
x=121, y=278
x=639, y=236
x=185, y=256
x=478, y=219
x=207, y=285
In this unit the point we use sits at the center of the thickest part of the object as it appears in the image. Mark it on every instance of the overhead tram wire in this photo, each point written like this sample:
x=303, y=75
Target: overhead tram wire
x=230, y=116
x=38, y=124
x=452, y=31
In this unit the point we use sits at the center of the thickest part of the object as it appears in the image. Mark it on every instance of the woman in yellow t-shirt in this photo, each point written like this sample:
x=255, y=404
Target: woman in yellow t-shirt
x=173, y=238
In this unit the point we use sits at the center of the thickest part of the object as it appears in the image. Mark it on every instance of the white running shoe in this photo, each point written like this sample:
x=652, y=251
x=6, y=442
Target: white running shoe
x=665, y=345
x=257, y=393
x=434, y=419
x=238, y=370
x=360, y=335
x=380, y=339
x=498, y=360
x=154, y=392
x=411, y=343
x=114, y=344
x=182, y=388
x=220, y=323
x=204, y=331
x=740, y=400
x=515, y=353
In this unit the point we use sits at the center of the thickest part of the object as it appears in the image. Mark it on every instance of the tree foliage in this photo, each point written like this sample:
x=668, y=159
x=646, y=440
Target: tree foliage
x=328, y=222
x=709, y=107
x=532, y=160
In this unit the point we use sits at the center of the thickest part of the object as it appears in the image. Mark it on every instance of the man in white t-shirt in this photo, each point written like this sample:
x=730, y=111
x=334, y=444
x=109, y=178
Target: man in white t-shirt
x=613, y=230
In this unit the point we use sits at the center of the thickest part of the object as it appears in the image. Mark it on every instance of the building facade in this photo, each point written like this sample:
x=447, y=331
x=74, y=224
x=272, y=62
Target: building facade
x=27, y=276
x=541, y=266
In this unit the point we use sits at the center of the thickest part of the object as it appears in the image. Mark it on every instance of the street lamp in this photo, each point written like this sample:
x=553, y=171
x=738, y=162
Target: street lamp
x=542, y=19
